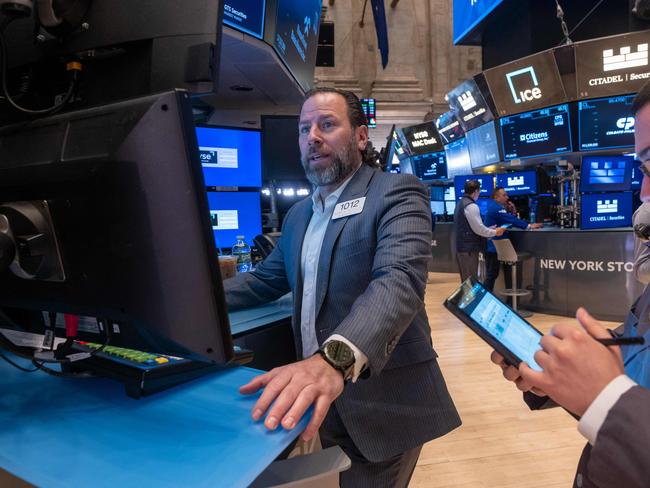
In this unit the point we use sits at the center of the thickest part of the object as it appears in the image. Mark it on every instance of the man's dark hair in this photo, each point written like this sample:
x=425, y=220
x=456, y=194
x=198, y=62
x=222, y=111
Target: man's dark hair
x=642, y=98
x=356, y=116
x=496, y=190
x=471, y=186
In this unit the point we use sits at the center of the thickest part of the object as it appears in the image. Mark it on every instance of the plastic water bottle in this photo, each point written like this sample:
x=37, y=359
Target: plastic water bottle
x=242, y=252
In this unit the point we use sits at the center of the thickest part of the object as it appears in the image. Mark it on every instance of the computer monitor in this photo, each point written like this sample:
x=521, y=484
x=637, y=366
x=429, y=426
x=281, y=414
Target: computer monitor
x=430, y=167
x=606, y=210
x=486, y=181
x=518, y=183
x=483, y=145
x=230, y=157
x=606, y=123
x=233, y=214
x=245, y=15
x=606, y=173
x=106, y=211
x=458, y=161
x=449, y=127
x=422, y=138
x=438, y=207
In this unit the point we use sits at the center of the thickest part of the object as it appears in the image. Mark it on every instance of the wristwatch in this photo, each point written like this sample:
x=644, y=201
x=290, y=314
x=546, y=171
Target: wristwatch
x=340, y=356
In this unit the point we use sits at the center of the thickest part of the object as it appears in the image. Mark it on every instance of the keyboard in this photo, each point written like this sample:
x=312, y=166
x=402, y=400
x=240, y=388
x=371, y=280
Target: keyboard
x=132, y=357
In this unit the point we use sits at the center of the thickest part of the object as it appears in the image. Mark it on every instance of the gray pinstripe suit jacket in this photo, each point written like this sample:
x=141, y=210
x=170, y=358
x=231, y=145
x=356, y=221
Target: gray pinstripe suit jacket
x=370, y=289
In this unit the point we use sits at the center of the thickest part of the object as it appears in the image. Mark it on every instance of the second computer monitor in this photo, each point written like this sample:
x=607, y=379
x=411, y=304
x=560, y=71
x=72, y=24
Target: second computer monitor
x=233, y=214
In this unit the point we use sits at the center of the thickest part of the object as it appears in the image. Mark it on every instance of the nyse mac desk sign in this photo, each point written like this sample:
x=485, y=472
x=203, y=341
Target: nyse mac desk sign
x=613, y=65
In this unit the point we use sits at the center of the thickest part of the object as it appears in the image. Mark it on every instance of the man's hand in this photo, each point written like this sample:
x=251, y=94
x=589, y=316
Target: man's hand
x=576, y=368
x=536, y=225
x=512, y=374
x=292, y=389
x=500, y=231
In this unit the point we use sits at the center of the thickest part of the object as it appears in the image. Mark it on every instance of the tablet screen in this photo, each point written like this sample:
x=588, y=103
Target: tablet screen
x=501, y=322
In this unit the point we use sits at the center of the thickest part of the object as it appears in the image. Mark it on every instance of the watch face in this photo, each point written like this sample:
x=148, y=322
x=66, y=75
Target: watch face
x=340, y=353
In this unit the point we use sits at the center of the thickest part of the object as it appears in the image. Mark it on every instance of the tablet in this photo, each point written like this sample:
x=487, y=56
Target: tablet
x=496, y=323
x=505, y=226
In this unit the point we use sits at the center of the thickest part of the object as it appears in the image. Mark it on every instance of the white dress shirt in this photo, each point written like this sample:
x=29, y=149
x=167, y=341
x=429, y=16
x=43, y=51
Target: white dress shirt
x=311, y=247
x=594, y=417
x=473, y=216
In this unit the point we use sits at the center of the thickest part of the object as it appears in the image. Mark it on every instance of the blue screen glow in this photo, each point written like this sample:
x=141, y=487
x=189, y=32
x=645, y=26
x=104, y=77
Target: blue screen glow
x=519, y=183
x=486, y=181
x=245, y=16
x=606, y=210
x=230, y=157
x=235, y=213
x=606, y=173
x=468, y=14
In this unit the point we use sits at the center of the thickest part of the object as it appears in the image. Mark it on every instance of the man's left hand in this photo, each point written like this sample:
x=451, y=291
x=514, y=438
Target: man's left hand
x=576, y=367
x=292, y=389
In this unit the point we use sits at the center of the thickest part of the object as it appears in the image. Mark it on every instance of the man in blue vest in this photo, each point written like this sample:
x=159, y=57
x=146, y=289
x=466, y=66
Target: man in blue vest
x=470, y=231
x=497, y=215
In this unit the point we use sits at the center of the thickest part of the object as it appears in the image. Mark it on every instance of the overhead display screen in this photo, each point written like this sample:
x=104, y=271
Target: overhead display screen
x=606, y=123
x=470, y=13
x=430, y=167
x=606, y=173
x=486, y=181
x=483, y=145
x=469, y=105
x=245, y=16
x=370, y=111
x=606, y=210
x=230, y=157
x=519, y=183
x=235, y=213
x=614, y=65
x=449, y=127
x=422, y=138
x=296, y=37
x=526, y=84
x=536, y=133
x=457, y=158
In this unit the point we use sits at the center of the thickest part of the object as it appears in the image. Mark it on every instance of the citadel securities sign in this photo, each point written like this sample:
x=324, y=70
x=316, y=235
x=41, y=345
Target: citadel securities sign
x=612, y=65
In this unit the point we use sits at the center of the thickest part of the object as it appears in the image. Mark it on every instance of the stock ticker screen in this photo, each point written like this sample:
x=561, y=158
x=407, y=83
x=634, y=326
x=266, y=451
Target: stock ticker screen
x=606, y=123
x=369, y=106
x=536, y=133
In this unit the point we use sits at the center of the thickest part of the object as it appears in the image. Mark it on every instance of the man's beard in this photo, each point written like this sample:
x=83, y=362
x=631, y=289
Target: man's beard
x=343, y=163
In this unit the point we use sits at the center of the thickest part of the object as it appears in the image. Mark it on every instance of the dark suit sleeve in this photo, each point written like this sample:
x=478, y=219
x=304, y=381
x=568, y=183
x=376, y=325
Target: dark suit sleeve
x=621, y=454
x=506, y=218
x=381, y=314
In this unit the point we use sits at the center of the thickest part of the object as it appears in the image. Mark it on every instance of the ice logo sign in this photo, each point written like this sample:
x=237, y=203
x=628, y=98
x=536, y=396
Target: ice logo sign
x=515, y=180
x=528, y=94
x=625, y=123
x=467, y=101
x=626, y=58
x=606, y=206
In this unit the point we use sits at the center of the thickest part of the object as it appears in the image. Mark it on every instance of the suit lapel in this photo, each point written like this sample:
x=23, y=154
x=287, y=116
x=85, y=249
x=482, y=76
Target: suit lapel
x=357, y=187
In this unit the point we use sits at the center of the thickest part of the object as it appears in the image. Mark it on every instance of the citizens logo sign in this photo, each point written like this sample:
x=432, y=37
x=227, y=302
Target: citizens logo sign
x=526, y=94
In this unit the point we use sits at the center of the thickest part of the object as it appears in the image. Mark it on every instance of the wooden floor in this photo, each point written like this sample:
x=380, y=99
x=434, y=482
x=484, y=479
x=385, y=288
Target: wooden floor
x=501, y=442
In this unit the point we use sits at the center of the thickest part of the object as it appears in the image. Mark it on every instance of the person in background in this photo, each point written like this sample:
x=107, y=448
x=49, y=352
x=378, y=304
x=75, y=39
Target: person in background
x=471, y=233
x=511, y=208
x=497, y=215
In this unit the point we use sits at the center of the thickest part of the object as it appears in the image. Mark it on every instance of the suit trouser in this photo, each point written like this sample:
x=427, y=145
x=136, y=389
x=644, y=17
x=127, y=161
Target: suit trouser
x=467, y=264
x=394, y=472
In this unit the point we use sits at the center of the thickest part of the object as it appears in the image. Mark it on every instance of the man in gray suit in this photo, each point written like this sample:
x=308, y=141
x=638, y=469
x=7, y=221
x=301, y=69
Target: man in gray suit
x=355, y=257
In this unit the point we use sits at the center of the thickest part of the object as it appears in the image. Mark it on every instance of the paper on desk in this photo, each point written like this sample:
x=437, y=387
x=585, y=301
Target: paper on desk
x=27, y=339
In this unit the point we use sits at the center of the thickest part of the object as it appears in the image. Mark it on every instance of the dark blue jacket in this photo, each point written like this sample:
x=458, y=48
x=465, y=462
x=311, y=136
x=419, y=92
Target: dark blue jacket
x=466, y=240
x=498, y=215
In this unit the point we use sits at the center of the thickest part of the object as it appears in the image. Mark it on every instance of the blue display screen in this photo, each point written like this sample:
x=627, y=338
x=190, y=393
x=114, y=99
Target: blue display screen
x=606, y=173
x=637, y=177
x=486, y=181
x=606, y=123
x=230, y=157
x=468, y=14
x=457, y=158
x=606, y=210
x=536, y=133
x=233, y=214
x=483, y=145
x=449, y=127
x=245, y=16
x=519, y=183
x=296, y=37
x=430, y=167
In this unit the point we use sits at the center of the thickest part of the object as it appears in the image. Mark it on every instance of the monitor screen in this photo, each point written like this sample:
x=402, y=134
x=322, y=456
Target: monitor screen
x=398, y=145
x=483, y=145
x=469, y=105
x=486, y=181
x=450, y=207
x=449, y=127
x=606, y=123
x=537, y=133
x=430, y=167
x=526, y=84
x=126, y=235
x=230, y=157
x=637, y=176
x=450, y=194
x=370, y=111
x=469, y=14
x=296, y=37
x=606, y=210
x=422, y=138
x=606, y=173
x=438, y=208
x=457, y=158
x=235, y=213
x=245, y=16
x=519, y=183
x=280, y=150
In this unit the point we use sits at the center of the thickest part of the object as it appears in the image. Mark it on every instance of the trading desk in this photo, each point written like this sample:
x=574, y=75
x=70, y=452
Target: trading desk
x=62, y=432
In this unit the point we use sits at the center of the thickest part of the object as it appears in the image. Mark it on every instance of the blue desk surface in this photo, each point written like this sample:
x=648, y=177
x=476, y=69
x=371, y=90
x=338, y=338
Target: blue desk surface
x=243, y=321
x=61, y=432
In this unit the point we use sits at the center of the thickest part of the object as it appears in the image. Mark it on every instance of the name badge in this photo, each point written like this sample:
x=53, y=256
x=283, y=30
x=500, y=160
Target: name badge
x=351, y=207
